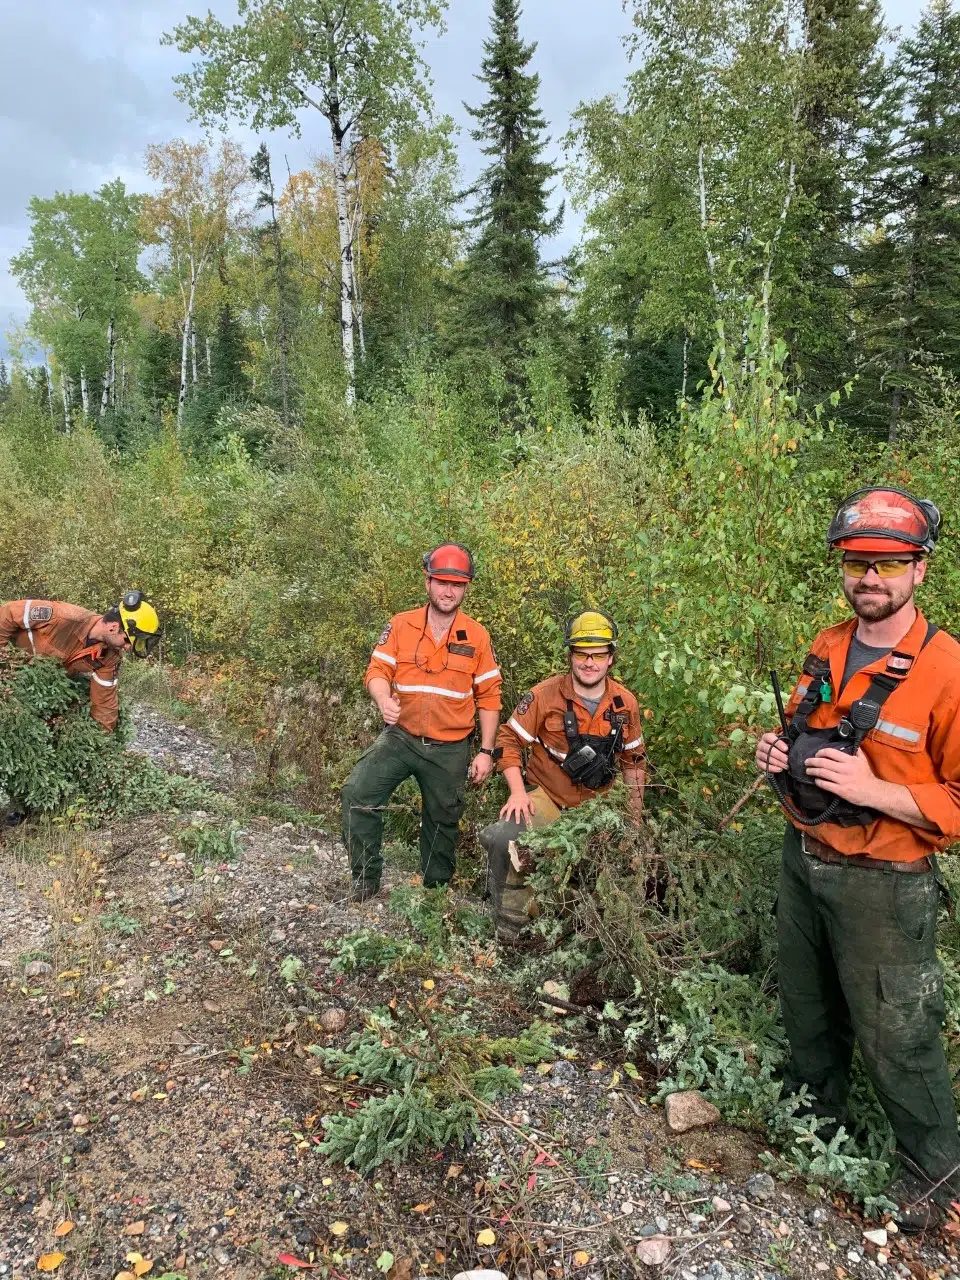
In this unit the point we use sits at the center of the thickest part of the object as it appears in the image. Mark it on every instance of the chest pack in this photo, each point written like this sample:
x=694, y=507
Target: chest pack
x=801, y=798
x=591, y=759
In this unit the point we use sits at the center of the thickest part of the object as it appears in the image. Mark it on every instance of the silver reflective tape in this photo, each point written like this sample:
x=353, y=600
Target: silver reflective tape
x=898, y=731
x=384, y=657
x=26, y=623
x=518, y=728
x=429, y=688
x=630, y=746
x=487, y=675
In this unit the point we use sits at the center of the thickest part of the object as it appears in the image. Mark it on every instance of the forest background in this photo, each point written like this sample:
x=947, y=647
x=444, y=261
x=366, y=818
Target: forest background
x=262, y=395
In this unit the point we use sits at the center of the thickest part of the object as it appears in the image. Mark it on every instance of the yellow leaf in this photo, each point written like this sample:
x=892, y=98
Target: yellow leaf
x=228, y=1213
x=544, y=1068
x=50, y=1261
x=428, y=984
x=614, y=1080
x=597, y=1066
x=160, y=1097
x=68, y=973
x=64, y=1229
x=77, y=920
x=581, y=1257
x=486, y=1236
x=133, y=1257
x=422, y=1208
x=142, y=1267
x=125, y=1275
x=338, y=1228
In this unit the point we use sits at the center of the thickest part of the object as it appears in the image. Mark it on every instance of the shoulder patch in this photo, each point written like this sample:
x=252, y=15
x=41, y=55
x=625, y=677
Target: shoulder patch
x=41, y=613
x=385, y=633
x=524, y=705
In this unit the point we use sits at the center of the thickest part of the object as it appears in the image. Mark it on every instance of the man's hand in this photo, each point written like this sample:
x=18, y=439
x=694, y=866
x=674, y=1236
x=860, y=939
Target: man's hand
x=481, y=767
x=389, y=708
x=772, y=754
x=849, y=777
x=519, y=808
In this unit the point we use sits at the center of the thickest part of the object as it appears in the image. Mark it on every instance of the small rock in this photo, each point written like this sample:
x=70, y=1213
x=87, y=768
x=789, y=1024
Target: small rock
x=565, y=1071
x=53, y=1048
x=175, y=895
x=626, y=1208
x=745, y=1224
x=209, y=1006
x=689, y=1110
x=80, y=1121
x=37, y=969
x=720, y=1205
x=852, y=1256
x=892, y=1228
x=649, y=1229
x=760, y=1187
x=81, y=1146
x=817, y=1217
x=222, y=1258
x=877, y=1236
x=653, y=1251
x=783, y=1230
x=822, y=1266
x=333, y=1020
x=479, y=1275
x=217, y=944
x=717, y=1271
x=663, y=1224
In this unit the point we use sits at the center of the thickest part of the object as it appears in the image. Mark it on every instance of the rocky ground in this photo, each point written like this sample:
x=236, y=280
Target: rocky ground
x=159, y=1106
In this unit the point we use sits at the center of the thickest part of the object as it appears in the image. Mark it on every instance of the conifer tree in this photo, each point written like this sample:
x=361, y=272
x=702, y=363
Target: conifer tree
x=917, y=259
x=504, y=280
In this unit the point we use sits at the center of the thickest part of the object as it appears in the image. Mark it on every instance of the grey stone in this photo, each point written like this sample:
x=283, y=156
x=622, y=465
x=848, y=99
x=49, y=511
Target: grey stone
x=37, y=969
x=653, y=1251
x=817, y=1217
x=760, y=1187
x=564, y=1070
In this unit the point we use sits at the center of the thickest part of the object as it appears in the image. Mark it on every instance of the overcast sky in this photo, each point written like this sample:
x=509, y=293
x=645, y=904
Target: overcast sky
x=84, y=87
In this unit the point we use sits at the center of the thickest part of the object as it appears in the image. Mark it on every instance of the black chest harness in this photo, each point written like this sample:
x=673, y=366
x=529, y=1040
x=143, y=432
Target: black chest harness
x=591, y=759
x=800, y=797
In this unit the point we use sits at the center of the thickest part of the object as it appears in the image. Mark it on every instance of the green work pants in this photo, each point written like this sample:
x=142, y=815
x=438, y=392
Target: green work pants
x=440, y=769
x=511, y=898
x=857, y=960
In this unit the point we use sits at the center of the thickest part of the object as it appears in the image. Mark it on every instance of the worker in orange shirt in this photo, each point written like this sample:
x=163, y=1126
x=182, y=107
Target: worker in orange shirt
x=867, y=768
x=575, y=730
x=90, y=645
x=432, y=673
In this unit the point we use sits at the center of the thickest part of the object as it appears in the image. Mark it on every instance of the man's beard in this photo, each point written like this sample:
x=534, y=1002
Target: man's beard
x=591, y=683
x=872, y=605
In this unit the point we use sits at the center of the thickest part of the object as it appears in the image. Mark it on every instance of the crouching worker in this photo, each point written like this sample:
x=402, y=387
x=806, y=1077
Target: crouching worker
x=89, y=645
x=574, y=729
x=432, y=673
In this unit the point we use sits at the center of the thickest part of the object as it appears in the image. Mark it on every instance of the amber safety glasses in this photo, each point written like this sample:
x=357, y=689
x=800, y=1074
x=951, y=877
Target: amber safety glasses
x=884, y=568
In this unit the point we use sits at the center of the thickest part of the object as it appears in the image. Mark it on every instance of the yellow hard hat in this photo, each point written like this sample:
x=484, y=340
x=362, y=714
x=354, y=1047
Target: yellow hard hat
x=140, y=622
x=590, y=630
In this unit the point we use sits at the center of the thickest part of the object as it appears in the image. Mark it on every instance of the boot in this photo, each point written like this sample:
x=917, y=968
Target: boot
x=363, y=891
x=916, y=1208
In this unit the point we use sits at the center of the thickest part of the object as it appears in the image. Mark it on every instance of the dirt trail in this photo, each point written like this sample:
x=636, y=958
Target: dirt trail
x=156, y=1090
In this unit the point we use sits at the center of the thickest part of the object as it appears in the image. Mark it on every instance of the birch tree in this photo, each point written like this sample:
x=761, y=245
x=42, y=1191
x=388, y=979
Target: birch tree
x=189, y=219
x=356, y=62
x=79, y=270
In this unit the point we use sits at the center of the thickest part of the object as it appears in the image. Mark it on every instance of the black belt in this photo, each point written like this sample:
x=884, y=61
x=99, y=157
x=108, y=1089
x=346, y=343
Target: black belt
x=824, y=853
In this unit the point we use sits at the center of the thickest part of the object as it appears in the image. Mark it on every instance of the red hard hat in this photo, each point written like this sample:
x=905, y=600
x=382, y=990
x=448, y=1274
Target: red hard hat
x=884, y=520
x=450, y=562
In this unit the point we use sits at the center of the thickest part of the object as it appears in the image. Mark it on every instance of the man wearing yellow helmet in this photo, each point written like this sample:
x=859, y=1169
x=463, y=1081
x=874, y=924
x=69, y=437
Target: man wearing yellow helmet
x=90, y=645
x=562, y=745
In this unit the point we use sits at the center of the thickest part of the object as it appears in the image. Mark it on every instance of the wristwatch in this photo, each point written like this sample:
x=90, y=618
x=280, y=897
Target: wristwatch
x=488, y=751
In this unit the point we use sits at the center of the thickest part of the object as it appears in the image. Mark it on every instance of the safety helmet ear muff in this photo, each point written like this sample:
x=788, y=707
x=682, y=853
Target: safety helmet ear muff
x=457, y=565
x=140, y=623
x=590, y=628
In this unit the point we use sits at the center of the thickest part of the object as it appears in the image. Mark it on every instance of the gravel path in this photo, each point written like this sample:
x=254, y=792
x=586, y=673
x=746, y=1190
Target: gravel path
x=156, y=1092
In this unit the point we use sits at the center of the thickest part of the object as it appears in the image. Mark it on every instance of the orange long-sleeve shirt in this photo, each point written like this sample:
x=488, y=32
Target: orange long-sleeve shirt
x=536, y=727
x=53, y=629
x=916, y=742
x=440, y=685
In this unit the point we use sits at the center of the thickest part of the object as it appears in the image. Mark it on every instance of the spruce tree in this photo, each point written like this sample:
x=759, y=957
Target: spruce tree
x=504, y=281
x=915, y=259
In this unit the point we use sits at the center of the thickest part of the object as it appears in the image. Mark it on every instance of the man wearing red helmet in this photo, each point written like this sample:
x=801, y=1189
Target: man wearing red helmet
x=432, y=673
x=868, y=771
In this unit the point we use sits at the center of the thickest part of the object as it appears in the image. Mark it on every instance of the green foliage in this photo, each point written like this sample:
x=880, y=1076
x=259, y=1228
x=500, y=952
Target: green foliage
x=436, y=1072
x=205, y=842
x=54, y=755
x=116, y=922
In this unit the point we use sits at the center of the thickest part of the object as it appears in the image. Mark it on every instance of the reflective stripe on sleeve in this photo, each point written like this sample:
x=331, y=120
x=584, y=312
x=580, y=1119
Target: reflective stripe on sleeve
x=898, y=731
x=430, y=688
x=27, y=627
x=384, y=657
x=632, y=746
x=803, y=689
x=487, y=675
x=557, y=755
x=518, y=728
x=107, y=684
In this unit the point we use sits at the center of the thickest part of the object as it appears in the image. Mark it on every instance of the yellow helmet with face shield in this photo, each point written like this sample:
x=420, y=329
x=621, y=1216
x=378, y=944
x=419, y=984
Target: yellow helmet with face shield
x=140, y=622
x=591, y=630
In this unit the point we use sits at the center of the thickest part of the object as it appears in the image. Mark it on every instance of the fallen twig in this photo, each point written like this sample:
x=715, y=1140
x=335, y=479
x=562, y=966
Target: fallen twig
x=747, y=796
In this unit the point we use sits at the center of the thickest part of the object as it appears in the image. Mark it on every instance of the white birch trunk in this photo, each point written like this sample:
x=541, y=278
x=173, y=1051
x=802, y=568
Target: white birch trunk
x=193, y=353
x=185, y=348
x=84, y=392
x=66, y=402
x=109, y=373
x=346, y=264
